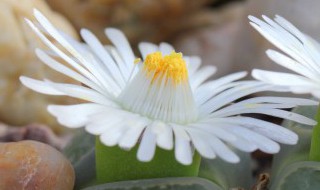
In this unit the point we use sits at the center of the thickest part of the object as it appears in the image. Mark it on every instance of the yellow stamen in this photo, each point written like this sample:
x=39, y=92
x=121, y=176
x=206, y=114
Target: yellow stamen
x=137, y=60
x=170, y=66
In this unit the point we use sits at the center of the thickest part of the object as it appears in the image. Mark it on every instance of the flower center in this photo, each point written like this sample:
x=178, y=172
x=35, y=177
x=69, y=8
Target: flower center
x=171, y=66
x=161, y=90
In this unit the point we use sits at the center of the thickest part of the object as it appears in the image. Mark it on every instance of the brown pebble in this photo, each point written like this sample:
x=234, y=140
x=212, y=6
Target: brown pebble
x=31, y=165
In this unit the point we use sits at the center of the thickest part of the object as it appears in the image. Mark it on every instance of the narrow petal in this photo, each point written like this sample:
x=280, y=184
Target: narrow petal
x=83, y=93
x=193, y=63
x=132, y=135
x=164, y=135
x=147, y=48
x=200, y=143
x=44, y=57
x=112, y=135
x=98, y=128
x=165, y=48
x=147, y=146
x=222, y=150
x=103, y=55
x=263, y=143
x=278, y=78
x=121, y=43
x=40, y=86
x=201, y=75
x=183, y=152
x=207, y=90
x=67, y=115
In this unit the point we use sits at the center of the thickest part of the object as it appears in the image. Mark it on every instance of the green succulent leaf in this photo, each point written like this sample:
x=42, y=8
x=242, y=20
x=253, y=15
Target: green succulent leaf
x=299, y=176
x=81, y=153
x=185, y=183
x=290, y=154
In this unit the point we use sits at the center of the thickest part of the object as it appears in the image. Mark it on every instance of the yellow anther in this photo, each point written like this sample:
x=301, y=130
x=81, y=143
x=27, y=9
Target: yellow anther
x=170, y=66
x=251, y=106
x=137, y=60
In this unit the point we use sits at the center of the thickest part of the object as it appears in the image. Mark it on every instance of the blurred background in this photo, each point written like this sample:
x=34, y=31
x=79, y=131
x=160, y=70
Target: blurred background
x=216, y=30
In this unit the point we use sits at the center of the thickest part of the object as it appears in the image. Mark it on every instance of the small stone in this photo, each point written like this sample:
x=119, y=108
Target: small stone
x=19, y=105
x=32, y=165
x=214, y=43
x=37, y=132
x=140, y=20
x=250, y=46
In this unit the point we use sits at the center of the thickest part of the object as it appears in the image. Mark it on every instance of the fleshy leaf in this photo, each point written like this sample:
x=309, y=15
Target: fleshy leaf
x=298, y=176
x=294, y=153
x=185, y=183
x=228, y=175
x=80, y=152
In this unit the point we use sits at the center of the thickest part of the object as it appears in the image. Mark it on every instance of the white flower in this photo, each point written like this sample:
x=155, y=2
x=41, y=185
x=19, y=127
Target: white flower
x=303, y=56
x=160, y=101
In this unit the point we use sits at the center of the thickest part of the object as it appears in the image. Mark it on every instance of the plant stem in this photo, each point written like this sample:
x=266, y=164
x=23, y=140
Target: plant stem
x=315, y=140
x=114, y=164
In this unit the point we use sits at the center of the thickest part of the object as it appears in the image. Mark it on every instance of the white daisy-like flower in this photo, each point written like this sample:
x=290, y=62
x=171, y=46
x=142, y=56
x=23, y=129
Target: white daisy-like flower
x=162, y=100
x=302, y=55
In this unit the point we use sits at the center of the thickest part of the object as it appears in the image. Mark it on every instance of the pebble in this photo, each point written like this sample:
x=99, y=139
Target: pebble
x=31, y=165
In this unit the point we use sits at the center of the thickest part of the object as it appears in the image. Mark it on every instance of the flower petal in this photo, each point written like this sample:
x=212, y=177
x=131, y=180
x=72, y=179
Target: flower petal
x=67, y=115
x=147, y=146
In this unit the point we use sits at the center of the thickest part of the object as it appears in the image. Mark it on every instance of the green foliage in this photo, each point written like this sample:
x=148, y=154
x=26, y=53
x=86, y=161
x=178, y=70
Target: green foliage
x=218, y=174
x=294, y=153
x=114, y=164
x=292, y=169
x=228, y=175
x=81, y=153
x=299, y=176
x=184, y=183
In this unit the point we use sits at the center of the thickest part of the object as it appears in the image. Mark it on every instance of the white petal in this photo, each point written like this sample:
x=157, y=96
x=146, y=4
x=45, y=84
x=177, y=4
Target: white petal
x=102, y=126
x=44, y=57
x=147, y=146
x=278, y=78
x=222, y=150
x=263, y=143
x=183, y=152
x=147, y=48
x=216, y=130
x=164, y=135
x=166, y=48
x=270, y=130
x=112, y=135
x=121, y=43
x=200, y=143
x=207, y=90
x=65, y=57
x=243, y=144
x=276, y=113
x=103, y=55
x=201, y=75
x=83, y=93
x=193, y=64
x=132, y=135
x=230, y=95
x=39, y=86
x=74, y=116
x=279, y=100
x=275, y=132
x=290, y=64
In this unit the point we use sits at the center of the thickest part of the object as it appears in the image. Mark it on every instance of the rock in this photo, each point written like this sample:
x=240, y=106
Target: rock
x=214, y=42
x=31, y=165
x=151, y=20
x=18, y=104
x=251, y=46
x=37, y=132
